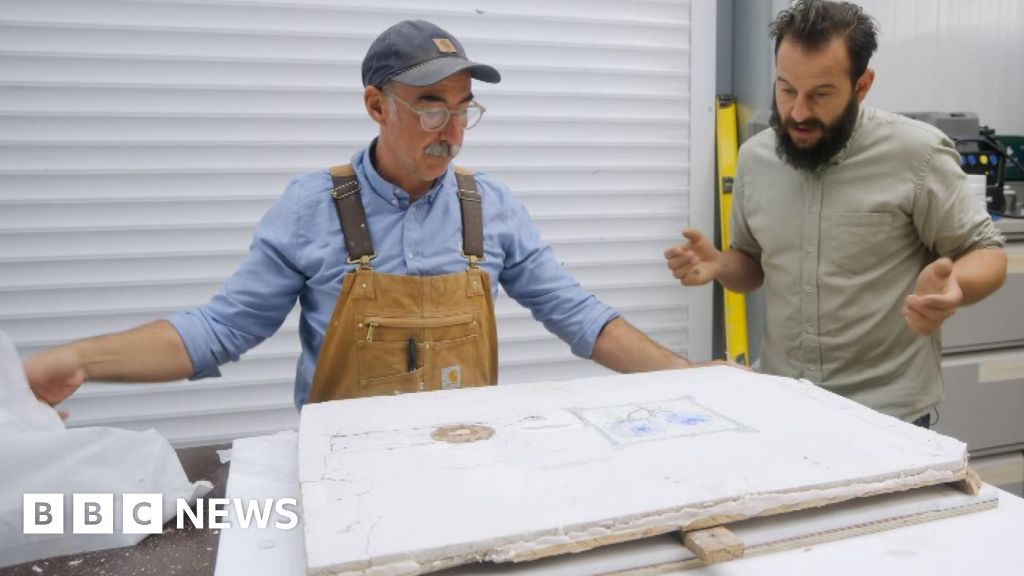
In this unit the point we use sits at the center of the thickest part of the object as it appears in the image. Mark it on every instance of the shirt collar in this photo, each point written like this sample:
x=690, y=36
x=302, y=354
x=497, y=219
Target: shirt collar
x=391, y=193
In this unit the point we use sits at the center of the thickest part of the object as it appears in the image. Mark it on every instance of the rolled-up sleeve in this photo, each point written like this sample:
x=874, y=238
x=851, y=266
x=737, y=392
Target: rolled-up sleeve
x=945, y=215
x=534, y=278
x=254, y=302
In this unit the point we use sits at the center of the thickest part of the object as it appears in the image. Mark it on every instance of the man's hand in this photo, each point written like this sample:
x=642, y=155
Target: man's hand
x=936, y=297
x=55, y=374
x=695, y=263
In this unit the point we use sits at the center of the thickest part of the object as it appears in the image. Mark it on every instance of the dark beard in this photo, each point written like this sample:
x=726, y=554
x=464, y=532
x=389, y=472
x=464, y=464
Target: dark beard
x=833, y=138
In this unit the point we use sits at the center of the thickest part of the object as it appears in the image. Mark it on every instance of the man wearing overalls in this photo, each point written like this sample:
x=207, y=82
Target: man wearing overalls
x=394, y=258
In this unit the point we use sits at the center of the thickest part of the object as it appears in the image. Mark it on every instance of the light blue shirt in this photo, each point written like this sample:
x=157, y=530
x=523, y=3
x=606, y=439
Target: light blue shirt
x=298, y=251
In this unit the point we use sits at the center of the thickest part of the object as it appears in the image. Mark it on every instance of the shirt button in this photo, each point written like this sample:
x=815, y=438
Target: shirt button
x=808, y=289
x=810, y=250
x=810, y=329
x=410, y=255
x=394, y=202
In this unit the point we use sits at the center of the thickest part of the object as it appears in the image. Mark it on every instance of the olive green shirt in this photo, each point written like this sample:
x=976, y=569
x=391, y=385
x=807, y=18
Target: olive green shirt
x=841, y=248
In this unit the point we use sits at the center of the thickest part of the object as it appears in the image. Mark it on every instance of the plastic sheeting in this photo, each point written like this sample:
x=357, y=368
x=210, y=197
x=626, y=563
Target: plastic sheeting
x=38, y=455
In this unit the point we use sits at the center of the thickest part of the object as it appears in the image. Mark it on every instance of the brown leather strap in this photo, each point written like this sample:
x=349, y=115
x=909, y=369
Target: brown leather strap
x=350, y=209
x=352, y=215
x=472, y=216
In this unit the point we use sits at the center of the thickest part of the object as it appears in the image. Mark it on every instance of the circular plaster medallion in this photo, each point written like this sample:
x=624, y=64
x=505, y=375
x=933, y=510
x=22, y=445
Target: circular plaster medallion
x=462, y=433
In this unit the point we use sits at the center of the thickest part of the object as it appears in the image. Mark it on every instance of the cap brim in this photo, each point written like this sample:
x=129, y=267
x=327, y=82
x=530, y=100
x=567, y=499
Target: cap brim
x=434, y=71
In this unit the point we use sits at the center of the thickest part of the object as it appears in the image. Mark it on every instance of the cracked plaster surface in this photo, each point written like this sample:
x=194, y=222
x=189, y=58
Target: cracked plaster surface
x=380, y=497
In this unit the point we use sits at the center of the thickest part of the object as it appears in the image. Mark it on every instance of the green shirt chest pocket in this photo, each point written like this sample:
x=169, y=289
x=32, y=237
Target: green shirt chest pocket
x=858, y=241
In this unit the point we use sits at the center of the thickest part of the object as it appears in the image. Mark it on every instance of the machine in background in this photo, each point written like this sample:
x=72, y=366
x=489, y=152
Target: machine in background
x=980, y=153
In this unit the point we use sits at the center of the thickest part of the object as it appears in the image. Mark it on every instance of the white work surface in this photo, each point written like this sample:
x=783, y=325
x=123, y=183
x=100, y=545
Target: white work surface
x=572, y=465
x=986, y=542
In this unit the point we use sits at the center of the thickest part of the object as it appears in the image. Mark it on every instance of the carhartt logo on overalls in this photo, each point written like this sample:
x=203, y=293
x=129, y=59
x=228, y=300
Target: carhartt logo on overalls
x=451, y=377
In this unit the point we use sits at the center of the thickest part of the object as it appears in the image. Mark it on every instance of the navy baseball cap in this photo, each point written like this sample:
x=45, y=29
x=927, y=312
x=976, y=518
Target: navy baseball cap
x=419, y=53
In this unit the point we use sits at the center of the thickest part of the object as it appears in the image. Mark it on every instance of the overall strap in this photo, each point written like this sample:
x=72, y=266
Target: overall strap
x=472, y=217
x=352, y=215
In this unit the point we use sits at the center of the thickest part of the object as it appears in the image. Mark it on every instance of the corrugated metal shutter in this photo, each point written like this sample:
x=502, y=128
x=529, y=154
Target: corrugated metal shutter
x=141, y=140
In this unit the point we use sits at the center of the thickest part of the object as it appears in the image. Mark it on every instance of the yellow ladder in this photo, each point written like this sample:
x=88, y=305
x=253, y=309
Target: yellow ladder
x=734, y=304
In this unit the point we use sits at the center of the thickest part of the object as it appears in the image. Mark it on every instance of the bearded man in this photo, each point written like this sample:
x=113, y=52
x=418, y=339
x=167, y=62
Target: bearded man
x=858, y=222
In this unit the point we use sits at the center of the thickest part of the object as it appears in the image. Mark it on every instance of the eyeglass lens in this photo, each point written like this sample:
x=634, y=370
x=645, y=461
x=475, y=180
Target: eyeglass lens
x=433, y=119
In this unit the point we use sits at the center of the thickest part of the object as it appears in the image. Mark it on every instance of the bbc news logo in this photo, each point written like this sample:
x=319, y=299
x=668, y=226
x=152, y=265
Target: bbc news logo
x=144, y=513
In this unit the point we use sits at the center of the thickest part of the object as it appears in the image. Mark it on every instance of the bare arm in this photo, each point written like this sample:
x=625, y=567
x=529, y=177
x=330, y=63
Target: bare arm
x=739, y=272
x=943, y=286
x=152, y=352
x=698, y=262
x=623, y=348
x=980, y=273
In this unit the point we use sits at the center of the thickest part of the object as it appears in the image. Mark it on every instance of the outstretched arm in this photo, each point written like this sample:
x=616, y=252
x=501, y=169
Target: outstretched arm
x=152, y=352
x=623, y=348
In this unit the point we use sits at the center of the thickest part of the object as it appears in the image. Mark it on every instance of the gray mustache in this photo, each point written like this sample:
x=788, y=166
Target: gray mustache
x=443, y=149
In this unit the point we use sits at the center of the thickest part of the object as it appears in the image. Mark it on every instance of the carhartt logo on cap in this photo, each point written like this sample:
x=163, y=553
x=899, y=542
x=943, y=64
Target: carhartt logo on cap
x=418, y=53
x=444, y=45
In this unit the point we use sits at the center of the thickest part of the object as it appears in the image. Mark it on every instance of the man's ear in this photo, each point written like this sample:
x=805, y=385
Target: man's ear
x=864, y=84
x=376, y=104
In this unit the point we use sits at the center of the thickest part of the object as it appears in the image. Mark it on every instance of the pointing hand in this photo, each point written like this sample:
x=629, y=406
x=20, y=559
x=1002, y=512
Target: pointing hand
x=696, y=262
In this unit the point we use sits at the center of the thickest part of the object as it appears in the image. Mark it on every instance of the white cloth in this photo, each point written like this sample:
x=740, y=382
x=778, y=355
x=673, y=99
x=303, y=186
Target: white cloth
x=39, y=455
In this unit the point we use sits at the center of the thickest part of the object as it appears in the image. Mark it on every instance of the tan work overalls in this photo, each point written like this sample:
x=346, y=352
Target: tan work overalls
x=391, y=334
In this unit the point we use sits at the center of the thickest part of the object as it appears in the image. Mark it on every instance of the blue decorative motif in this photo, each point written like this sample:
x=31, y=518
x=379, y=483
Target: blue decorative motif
x=645, y=423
